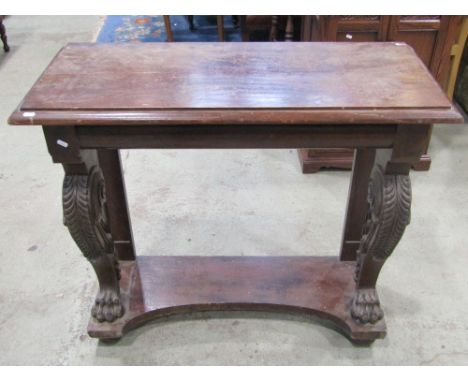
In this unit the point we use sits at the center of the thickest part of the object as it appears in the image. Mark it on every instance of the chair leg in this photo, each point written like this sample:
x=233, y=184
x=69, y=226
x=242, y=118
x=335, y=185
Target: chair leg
x=243, y=27
x=167, y=24
x=274, y=28
x=3, y=36
x=190, y=21
x=235, y=21
x=289, y=35
x=220, y=23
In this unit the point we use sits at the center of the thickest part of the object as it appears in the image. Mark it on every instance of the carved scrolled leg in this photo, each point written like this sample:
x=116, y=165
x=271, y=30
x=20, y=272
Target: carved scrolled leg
x=389, y=202
x=85, y=215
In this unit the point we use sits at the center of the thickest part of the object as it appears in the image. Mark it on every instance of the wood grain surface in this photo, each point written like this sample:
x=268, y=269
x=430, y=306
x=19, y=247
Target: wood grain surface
x=246, y=82
x=158, y=286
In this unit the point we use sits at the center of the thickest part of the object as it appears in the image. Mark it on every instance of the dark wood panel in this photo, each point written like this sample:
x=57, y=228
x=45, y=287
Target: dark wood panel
x=243, y=136
x=313, y=160
x=432, y=37
x=423, y=43
x=357, y=36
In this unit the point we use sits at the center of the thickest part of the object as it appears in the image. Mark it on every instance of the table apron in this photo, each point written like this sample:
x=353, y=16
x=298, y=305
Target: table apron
x=240, y=136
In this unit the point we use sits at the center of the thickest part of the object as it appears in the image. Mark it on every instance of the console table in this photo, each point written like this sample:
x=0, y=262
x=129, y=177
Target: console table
x=95, y=99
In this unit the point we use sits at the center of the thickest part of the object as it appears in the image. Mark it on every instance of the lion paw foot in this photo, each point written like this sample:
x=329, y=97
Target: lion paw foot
x=365, y=307
x=107, y=306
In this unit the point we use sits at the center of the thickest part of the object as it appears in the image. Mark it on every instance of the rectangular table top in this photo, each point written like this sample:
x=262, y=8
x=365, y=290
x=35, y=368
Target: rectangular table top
x=235, y=83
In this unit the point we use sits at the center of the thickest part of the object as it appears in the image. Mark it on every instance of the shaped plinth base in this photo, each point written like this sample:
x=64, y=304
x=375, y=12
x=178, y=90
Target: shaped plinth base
x=159, y=286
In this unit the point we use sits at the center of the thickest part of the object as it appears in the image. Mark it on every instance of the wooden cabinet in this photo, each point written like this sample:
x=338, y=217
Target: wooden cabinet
x=431, y=37
x=345, y=28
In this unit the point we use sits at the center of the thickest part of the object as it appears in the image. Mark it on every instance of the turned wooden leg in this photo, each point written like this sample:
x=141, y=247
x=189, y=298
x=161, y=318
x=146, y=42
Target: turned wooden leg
x=235, y=21
x=388, y=214
x=167, y=25
x=3, y=36
x=274, y=28
x=86, y=216
x=220, y=25
x=289, y=34
x=190, y=21
x=243, y=27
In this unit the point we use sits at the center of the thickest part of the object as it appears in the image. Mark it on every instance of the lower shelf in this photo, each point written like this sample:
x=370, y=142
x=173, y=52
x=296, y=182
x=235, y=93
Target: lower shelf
x=158, y=286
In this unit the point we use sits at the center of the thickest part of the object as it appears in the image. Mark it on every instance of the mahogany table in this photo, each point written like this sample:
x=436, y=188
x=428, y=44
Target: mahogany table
x=95, y=99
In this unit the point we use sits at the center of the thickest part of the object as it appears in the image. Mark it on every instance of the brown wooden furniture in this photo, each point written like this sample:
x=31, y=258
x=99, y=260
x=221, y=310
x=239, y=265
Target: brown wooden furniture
x=457, y=54
x=170, y=36
x=252, y=23
x=432, y=37
x=461, y=82
x=167, y=25
x=96, y=99
x=3, y=35
x=270, y=24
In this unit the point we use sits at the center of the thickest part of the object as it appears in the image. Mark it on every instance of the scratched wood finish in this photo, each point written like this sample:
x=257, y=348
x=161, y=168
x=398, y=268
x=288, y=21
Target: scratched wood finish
x=322, y=286
x=234, y=95
x=235, y=83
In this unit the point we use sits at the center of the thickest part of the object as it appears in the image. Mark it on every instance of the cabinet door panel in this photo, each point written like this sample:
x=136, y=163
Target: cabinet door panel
x=431, y=37
x=361, y=28
x=418, y=31
x=352, y=36
x=345, y=28
x=423, y=43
